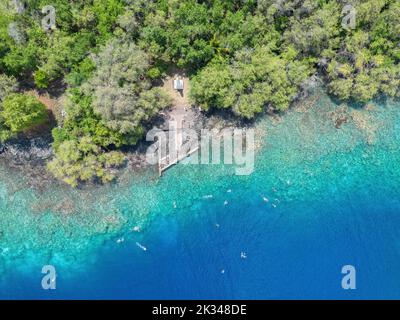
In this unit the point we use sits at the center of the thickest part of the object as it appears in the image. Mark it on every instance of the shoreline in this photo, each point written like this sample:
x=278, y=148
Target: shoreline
x=29, y=156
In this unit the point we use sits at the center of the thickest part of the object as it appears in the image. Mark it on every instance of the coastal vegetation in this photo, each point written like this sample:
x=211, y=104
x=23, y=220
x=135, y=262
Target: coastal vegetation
x=21, y=111
x=242, y=56
x=18, y=111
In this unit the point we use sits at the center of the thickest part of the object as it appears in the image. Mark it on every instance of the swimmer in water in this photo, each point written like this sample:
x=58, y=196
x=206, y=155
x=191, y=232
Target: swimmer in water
x=141, y=246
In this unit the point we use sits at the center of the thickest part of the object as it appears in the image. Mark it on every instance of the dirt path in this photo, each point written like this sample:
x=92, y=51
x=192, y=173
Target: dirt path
x=181, y=106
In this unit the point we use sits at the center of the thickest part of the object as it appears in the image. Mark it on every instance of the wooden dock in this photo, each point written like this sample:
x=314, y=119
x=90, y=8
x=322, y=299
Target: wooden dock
x=177, y=85
x=167, y=162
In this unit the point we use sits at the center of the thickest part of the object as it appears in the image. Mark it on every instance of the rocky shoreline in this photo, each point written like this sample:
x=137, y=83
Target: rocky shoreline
x=29, y=155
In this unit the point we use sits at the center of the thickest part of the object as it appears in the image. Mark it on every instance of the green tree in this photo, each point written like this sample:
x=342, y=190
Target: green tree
x=80, y=121
x=255, y=80
x=21, y=112
x=7, y=86
x=122, y=91
x=82, y=160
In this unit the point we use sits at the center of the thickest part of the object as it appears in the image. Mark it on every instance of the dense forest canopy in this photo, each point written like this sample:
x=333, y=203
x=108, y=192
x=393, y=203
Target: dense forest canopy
x=242, y=55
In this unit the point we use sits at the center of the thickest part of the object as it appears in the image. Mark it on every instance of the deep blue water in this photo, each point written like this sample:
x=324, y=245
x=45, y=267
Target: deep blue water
x=327, y=207
x=299, y=257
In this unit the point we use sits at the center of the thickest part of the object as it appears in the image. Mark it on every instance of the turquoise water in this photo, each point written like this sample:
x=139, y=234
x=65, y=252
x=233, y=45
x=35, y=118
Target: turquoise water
x=333, y=200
